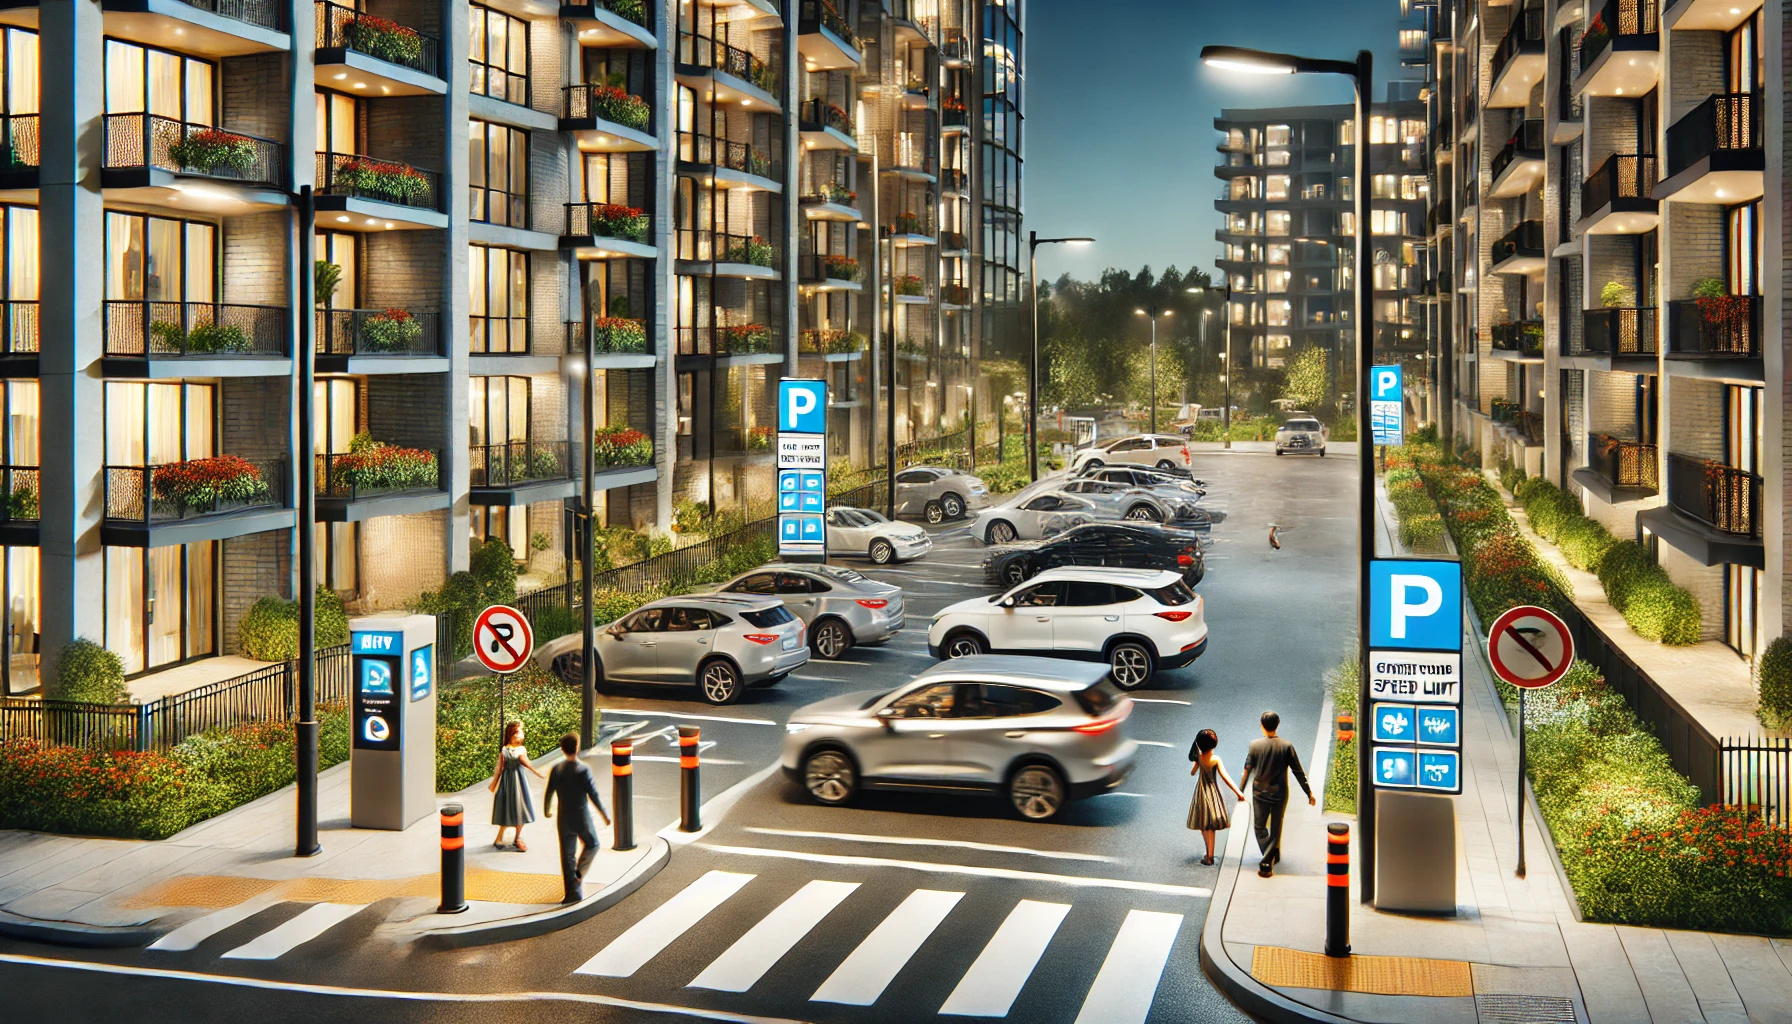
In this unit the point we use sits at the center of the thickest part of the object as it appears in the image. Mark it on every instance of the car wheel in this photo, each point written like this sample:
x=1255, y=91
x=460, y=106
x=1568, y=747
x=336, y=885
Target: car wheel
x=882, y=553
x=1129, y=663
x=1092, y=464
x=719, y=681
x=1002, y=532
x=964, y=645
x=935, y=514
x=1279, y=453
x=830, y=639
x=830, y=778
x=570, y=668
x=1165, y=464
x=1322, y=453
x=1036, y=792
x=1143, y=513
x=1015, y=572
x=953, y=506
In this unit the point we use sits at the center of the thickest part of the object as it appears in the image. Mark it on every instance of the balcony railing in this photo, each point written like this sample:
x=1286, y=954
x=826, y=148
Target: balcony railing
x=609, y=220
x=712, y=53
x=816, y=268
x=178, y=491
x=953, y=241
x=378, y=471
x=821, y=13
x=19, y=494
x=721, y=247
x=1567, y=99
x=1722, y=497
x=736, y=156
x=1527, y=141
x=1724, y=123
x=818, y=113
x=607, y=103
x=1522, y=336
x=1623, y=462
x=907, y=223
x=19, y=149
x=385, y=181
x=202, y=330
x=736, y=339
x=516, y=462
x=166, y=144
x=1617, y=18
x=610, y=335
x=1725, y=326
x=1525, y=240
x=394, y=331
x=18, y=328
x=1618, y=332
x=1620, y=177
x=340, y=27
x=628, y=10
x=1526, y=34
x=263, y=13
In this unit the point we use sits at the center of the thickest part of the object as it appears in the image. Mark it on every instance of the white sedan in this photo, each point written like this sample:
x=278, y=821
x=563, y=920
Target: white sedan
x=1039, y=516
x=853, y=531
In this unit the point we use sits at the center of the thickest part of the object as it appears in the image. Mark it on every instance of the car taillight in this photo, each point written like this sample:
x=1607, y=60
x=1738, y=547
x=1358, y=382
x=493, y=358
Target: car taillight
x=763, y=638
x=1174, y=616
x=876, y=602
x=1185, y=459
x=1097, y=727
x=1184, y=559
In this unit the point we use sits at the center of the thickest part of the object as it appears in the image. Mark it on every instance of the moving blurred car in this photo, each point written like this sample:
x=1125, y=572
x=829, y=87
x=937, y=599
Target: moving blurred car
x=1131, y=545
x=840, y=607
x=1135, y=620
x=720, y=643
x=1041, y=732
x=1134, y=476
x=1136, y=503
x=1165, y=451
x=1042, y=515
x=937, y=494
x=861, y=530
x=1303, y=436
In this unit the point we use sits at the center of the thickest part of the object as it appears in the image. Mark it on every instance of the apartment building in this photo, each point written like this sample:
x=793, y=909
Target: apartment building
x=1289, y=233
x=1599, y=175
x=721, y=193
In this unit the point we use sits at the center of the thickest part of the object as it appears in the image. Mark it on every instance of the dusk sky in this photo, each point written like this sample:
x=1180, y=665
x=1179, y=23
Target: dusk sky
x=1120, y=138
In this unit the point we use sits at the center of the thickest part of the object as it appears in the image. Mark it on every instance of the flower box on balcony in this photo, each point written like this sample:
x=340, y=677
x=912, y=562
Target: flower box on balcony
x=371, y=465
x=909, y=284
x=385, y=39
x=744, y=339
x=759, y=439
x=754, y=251
x=613, y=220
x=617, y=447
x=619, y=107
x=909, y=224
x=618, y=334
x=211, y=150
x=394, y=330
x=833, y=342
x=955, y=294
x=379, y=179
x=210, y=483
x=840, y=268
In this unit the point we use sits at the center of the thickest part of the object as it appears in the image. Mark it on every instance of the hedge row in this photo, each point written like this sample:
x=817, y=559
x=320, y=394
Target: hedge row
x=1341, y=776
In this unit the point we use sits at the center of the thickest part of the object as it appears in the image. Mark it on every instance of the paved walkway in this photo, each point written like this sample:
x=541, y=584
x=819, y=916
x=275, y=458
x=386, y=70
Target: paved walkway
x=1514, y=950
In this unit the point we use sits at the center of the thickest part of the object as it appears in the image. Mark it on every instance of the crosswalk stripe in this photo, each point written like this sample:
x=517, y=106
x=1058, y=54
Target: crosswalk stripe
x=1127, y=981
x=756, y=952
x=870, y=968
x=630, y=951
x=190, y=935
x=309, y=924
x=990, y=987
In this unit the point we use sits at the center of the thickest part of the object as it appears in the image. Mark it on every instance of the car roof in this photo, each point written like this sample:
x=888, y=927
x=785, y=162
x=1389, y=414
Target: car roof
x=717, y=602
x=1110, y=574
x=1057, y=675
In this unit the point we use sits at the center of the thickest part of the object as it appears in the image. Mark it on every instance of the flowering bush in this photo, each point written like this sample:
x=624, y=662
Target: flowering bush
x=619, y=334
x=378, y=179
x=394, y=330
x=211, y=150
x=617, y=106
x=385, y=39
x=209, y=484
x=622, y=446
x=755, y=251
x=955, y=294
x=909, y=284
x=909, y=224
x=840, y=268
x=613, y=220
x=834, y=192
x=371, y=465
x=759, y=439
x=216, y=337
x=833, y=342
x=744, y=338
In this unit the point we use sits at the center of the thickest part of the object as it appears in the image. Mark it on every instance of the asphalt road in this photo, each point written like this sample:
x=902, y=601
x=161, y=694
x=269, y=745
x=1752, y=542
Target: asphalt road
x=897, y=908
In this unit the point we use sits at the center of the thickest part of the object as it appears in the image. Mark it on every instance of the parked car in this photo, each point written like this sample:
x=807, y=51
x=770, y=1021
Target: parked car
x=856, y=530
x=1137, y=503
x=1135, y=620
x=839, y=607
x=1039, y=731
x=1034, y=518
x=937, y=494
x=1157, y=479
x=720, y=643
x=1165, y=451
x=1302, y=437
x=1131, y=545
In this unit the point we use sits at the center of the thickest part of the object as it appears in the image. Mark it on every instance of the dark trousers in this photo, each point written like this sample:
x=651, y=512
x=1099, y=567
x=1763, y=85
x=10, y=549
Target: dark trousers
x=1266, y=817
x=577, y=850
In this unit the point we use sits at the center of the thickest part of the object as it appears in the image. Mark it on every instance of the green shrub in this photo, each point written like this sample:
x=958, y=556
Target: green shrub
x=1619, y=569
x=270, y=630
x=493, y=566
x=1773, y=678
x=1584, y=542
x=88, y=672
x=1340, y=777
x=469, y=723
x=1422, y=533
x=1512, y=477
x=1659, y=610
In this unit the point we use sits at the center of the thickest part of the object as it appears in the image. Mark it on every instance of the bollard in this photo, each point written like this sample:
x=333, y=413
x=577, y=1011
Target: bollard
x=689, y=793
x=622, y=794
x=454, y=860
x=1337, y=889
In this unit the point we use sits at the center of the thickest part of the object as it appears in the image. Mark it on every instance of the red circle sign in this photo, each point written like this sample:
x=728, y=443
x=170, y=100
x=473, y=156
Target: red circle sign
x=502, y=638
x=1530, y=647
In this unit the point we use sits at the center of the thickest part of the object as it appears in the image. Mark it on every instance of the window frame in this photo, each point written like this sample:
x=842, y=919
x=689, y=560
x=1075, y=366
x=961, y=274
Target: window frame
x=479, y=53
x=479, y=333
x=514, y=165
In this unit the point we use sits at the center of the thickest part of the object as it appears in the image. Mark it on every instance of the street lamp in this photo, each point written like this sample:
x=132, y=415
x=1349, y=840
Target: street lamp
x=1154, y=314
x=1032, y=426
x=1225, y=365
x=1361, y=74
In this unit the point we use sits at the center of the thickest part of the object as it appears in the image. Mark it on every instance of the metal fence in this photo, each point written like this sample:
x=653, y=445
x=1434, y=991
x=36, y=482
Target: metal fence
x=1758, y=777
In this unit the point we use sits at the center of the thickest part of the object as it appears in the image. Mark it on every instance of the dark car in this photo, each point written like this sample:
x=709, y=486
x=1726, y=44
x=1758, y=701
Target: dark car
x=1155, y=474
x=1126, y=544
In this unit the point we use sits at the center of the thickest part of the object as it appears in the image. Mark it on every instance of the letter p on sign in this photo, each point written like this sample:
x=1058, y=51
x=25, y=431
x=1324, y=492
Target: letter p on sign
x=1415, y=605
x=1387, y=384
x=802, y=406
x=1402, y=586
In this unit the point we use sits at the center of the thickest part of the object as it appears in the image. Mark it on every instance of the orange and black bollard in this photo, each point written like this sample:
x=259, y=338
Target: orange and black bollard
x=622, y=794
x=1337, y=889
x=454, y=860
x=689, y=792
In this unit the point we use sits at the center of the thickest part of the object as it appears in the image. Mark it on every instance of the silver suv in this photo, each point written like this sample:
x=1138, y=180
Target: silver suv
x=840, y=607
x=1040, y=731
x=937, y=494
x=721, y=643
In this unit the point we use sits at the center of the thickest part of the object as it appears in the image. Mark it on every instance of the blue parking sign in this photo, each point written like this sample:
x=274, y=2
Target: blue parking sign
x=803, y=406
x=1440, y=771
x=1415, y=605
x=1439, y=726
x=1394, y=723
x=1396, y=767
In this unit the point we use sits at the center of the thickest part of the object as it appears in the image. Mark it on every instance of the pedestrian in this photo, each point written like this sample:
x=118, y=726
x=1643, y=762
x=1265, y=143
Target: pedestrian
x=571, y=781
x=1270, y=760
x=1208, y=810
x=512, y=807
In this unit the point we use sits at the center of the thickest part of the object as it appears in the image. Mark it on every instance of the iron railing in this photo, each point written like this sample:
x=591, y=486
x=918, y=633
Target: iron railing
x=1722, y=497
x=1618, y=331
x=613, y=335
x=728, y=340
x=1757, y=774
x=593, y=100
x=721, y=247
x=340, y=27
x=1522, y=336
x=736, y=156
x=205, y=330
x=1527, y=141
x=515, y=462
x=1719, y=327
x=587, y=219
x=1622, y=176
x=703, y=51
x=19, y=143
x=1525, y=240
x=379, y=332
x=263, y=13
x=818, y=113
x=19, y=493
x=167, y=493
x=819, y=14
x=637, y=11
x=356, y=476
x=1623, y=462
x=386, y=181
x=182, y=147
x=1616, y=18
x=1724, y=123
x=1525, y=36
x=18, y=327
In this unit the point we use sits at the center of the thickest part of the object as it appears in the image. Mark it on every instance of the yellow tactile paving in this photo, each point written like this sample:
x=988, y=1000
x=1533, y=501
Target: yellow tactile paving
x=213, y=892
x=1373, y=975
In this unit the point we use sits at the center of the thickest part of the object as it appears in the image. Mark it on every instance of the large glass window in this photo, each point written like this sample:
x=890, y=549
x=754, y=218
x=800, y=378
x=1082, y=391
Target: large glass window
x=1742, y=243
x=499, y=55
x=498, y=409
x=337, y=123
x=19, y=566
x=20, y=80
x=141, y=79
x=158, y=423
x=499, y=282
x=161, y=604
x=342, y=248
x=159, y=259
x=498, y=169
x=1743, y=67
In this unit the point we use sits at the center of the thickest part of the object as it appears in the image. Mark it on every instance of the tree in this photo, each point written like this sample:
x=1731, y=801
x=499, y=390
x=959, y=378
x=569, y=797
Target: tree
x=1138, y=380
x=1308, y=383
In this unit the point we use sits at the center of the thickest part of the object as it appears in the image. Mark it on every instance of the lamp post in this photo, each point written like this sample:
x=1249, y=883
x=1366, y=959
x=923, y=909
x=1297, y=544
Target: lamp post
x=304, y=366
x=1361, y=74
x=1032, y=425
x=1154, y=313
x=1225, y=365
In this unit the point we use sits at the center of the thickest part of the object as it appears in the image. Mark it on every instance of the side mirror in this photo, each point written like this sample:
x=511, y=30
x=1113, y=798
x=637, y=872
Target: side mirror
x=1007, y=602
x=887, y=717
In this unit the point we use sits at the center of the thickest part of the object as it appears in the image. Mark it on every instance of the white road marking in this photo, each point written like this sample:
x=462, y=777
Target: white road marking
x=682, y=715
x=1088, y=881
x=630, y=951
x=190, y=935
x=1136, y=796
x=864, y=975
x=760, y=949
x=961, y=844
x=1128, y=979
x=716, y=808
x=1159, y=700
x=1152, y=743
x=990, y=987
x=312, y=922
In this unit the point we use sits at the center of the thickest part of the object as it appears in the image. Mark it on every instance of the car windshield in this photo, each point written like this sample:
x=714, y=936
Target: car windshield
x=874, y=698
x=1174, y=594
x=835, y=572
x=870, y=516
x=767, y=617
x=1301, y=425
x=1099, y=699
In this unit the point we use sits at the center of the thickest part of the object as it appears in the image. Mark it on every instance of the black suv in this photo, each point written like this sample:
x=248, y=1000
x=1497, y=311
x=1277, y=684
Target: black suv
x=1128, y=544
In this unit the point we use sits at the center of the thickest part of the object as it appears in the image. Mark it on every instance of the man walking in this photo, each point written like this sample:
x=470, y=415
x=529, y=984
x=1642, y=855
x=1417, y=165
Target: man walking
x=1266, y=769
x=571, y=782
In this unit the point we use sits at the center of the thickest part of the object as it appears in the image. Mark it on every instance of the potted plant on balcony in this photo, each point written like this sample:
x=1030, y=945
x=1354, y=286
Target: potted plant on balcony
x=373, y=465
x=622, y=446
x=22, y=502
x=909, y=224
x=1727, y=314
x=325, y=276
x=613, y=220
x=758, y=163
x=840, y=268
x=209, y=483
x=740, y=339
x=633, y=10
x=218, y=338
x=380, y=179
x=832, y=341
x=212, y=151
x=755, y=251
x=1613, y=295
x=394, y=330
x=385, y=39
x=618, y=334
x=838, y=194
x=614, y=104
x=759, y=439
x=955, y=294
x=909, y=284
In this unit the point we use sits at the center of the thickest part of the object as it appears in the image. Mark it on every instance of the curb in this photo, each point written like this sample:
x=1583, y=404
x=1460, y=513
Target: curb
x=68, y=933
x=530, y=926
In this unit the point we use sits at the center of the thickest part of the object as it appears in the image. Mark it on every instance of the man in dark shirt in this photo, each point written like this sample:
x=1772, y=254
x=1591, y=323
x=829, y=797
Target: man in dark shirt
x=572, y=783
x=1266, y=769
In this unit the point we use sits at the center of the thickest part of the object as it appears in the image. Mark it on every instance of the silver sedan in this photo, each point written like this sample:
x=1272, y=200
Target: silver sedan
x=937, y=494
x=1129, y=502
x=840, y=607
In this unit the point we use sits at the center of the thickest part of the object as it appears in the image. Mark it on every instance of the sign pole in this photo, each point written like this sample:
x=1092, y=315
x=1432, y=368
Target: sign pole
x=1521, y=782
x=1530, y=648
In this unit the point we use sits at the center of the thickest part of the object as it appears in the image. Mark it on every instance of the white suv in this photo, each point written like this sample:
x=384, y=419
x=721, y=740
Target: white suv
x=1136, y=620
x=1165, y=451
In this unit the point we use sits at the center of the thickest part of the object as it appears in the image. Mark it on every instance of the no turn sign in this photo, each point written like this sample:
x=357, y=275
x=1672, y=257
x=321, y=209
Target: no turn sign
x=502, y=639
x=1530, y=647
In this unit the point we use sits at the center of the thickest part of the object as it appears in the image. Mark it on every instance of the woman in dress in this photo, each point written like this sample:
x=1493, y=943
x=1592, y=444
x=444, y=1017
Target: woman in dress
x=1208, y=811
x=512, y=807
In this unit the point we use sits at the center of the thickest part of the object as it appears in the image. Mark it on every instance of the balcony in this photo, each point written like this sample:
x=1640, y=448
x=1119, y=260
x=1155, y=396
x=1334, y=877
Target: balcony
x=617, y=342
x=364, y=193
x=1519, y=62
x=726, y=255
x=19, y=505
x=147, y=157
x=953, y=118
x=832, y=345
x=378, y=480
x=954, y=243
x=373, y=341
x=825, y=38
x=612, y=24
x=1715, y=152
x=1713, y=513
x=200, y=499
x=149, y=340
x=1709, y=15
x=18, y=338
x=1518, y=340
x=519, y=472
x=369, y=56
x=19, y=155
x=825, y=125
x=1721, y=332
x=832, y=202
x=828, y=272
x=201, y=28
x=915, y=157
x=740, y=79
x=1616, y=334
x=1616, y=200
x=1619, y=469
x=911, y=229
x=1521, y=250
x=732, y=344
x=730, y=163
x=1620, y=52
x=1518, y=166
x=600, y=231
x=605, y=119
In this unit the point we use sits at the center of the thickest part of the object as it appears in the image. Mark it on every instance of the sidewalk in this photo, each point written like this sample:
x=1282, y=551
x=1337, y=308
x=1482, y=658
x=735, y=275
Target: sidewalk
x=1513, y=952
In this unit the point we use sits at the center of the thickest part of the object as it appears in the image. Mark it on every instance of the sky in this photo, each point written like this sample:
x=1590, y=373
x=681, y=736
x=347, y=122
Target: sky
x=1119, y=130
